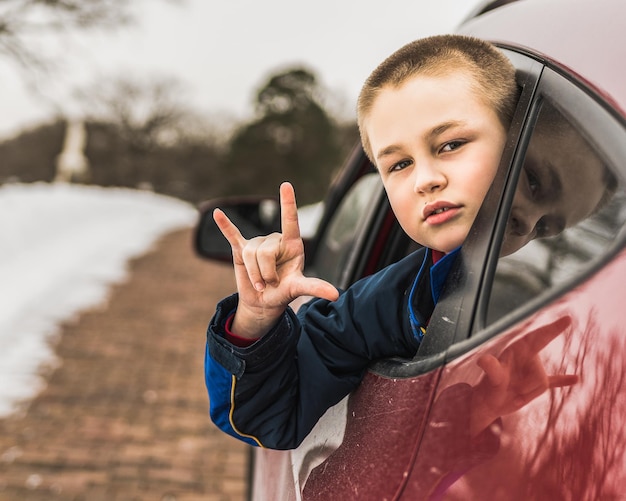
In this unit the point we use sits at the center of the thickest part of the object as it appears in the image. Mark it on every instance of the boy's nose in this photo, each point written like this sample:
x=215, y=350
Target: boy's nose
x=428, y=178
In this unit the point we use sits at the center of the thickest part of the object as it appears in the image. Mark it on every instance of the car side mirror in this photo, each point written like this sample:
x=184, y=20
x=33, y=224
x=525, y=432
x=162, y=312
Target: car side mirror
x=253, y=216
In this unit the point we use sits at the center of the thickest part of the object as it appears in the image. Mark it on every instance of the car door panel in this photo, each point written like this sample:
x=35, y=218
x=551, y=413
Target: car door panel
x=354, y=469
x=572, y=432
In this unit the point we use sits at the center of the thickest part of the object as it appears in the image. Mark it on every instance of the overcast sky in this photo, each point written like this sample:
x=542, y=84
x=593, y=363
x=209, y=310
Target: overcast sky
x=221, y=52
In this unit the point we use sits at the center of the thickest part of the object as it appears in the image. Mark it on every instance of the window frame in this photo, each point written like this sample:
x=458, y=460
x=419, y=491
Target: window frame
x=454, y=314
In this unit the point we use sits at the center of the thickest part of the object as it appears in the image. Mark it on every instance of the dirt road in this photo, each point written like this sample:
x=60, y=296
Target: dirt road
x=124, y=414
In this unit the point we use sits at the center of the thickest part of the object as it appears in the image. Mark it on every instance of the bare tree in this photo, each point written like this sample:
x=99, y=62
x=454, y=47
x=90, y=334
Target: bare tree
x=147, y=112
x=21, y=20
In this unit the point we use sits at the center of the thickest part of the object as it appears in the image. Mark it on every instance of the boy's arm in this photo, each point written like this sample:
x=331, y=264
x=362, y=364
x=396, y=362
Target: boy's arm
x=235, y=399
x=268, y=270
x=268, y=273
x=274, y=391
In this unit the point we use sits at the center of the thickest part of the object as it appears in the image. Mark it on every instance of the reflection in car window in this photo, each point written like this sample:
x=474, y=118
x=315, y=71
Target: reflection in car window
x=567, y=211
x=338, y=240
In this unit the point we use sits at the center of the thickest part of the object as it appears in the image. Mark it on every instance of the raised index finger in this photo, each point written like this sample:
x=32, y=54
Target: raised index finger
x=288, y=213
x=228, y=229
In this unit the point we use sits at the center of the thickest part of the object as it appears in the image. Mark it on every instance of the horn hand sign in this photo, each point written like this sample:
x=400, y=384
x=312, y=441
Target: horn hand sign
x=268, y=270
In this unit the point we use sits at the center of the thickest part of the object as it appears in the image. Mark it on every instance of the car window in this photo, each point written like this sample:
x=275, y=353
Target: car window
x=342, y=231
x=568, y=208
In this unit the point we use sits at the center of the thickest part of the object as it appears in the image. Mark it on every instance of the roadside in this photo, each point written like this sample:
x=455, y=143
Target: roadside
x=124, y=415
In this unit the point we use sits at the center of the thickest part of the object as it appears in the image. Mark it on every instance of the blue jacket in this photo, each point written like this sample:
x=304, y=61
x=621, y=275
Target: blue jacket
x=273, y=392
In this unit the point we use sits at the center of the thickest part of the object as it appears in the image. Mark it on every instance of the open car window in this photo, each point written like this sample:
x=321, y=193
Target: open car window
x=348, y=222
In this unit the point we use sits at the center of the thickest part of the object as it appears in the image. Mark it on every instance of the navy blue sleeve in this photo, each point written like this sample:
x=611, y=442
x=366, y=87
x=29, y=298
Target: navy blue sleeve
x=244, y=384
x=273, y=392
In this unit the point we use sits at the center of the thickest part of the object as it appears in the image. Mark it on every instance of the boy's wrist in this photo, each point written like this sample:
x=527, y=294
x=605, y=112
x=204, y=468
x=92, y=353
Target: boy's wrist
x=234, y=338
x=251, y=325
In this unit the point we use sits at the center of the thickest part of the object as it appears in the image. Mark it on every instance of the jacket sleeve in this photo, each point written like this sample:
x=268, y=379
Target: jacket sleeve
x=273, y=392
x=241, y=406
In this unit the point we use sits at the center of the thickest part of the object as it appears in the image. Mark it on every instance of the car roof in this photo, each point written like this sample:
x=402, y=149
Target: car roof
x=585, y=38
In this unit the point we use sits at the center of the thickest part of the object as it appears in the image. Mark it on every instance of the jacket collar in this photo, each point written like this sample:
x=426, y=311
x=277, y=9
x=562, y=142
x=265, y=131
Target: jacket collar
x=426, y=290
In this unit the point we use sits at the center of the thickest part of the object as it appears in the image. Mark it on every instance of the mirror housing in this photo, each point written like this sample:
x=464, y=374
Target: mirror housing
x=254, y=216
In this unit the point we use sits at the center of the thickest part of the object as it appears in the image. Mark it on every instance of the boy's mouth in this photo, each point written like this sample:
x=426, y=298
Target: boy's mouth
x=437, y=208
x=439, y=212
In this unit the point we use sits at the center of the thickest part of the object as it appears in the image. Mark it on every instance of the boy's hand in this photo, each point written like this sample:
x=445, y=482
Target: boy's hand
x=268, y=270
x=516, y=377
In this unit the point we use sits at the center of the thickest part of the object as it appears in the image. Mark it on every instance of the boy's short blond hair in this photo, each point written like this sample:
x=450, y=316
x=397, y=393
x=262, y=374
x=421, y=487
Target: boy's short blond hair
x=443, y=55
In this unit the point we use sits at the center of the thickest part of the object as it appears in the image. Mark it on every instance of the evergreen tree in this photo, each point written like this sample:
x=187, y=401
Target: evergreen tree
x=293, y=138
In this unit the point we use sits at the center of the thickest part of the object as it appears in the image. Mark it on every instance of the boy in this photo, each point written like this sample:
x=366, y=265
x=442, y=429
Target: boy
x=433, y=118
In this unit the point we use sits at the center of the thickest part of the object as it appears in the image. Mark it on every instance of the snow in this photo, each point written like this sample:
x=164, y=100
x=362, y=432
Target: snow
x=308, y=218
x=62, y=247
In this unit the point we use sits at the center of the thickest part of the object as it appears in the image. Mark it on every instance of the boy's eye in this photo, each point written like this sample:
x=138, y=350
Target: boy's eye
x=452, y=145
x=403, y=164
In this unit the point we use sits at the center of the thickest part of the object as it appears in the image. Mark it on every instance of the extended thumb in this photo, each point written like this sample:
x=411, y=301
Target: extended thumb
x=317, y=287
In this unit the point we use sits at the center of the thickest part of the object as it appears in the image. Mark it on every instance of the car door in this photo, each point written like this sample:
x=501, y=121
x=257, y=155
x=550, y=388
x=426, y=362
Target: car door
x=531, y=401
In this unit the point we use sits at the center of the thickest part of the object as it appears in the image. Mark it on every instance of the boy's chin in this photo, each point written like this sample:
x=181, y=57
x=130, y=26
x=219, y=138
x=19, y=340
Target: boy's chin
x=446, y=246
x=452, y=240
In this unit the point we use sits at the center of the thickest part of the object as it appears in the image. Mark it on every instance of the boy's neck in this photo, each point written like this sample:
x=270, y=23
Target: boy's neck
x=436, y=255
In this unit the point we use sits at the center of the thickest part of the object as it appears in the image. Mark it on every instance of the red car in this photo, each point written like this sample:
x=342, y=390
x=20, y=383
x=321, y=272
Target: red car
x=539, y=287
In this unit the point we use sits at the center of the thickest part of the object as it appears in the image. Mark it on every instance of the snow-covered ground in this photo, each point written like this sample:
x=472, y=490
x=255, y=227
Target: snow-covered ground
x=61, y=248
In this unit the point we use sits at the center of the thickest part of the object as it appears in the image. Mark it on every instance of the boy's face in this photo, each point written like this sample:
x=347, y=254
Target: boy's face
x=437, y=146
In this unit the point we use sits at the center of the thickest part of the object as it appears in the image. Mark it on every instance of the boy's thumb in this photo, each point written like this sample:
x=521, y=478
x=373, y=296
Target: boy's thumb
x=317, y=287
